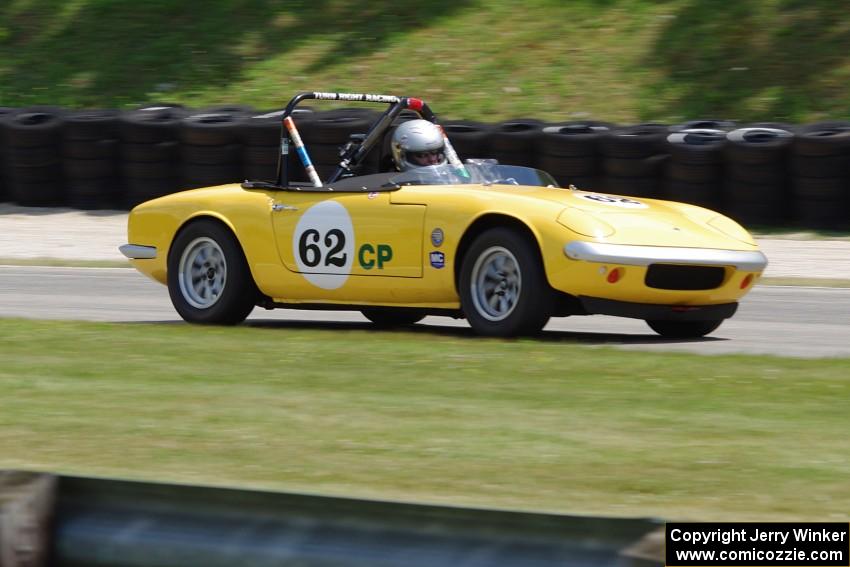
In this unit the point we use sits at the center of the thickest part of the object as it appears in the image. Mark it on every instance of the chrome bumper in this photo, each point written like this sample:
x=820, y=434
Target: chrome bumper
x=138, y=252
x=624, y=254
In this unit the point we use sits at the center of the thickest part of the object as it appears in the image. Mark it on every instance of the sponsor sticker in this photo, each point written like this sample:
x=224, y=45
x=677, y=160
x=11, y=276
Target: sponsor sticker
x=614, y=200
x=438, y=259
x=437, y=237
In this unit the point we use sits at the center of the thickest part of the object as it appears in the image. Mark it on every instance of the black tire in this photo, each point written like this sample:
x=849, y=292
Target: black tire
x=158, y=152
x=704, y=124
x=34, y=126
x=224, y=269
x=572, y=139
x=89, y=168
x=635, y=167
x=151, y=125
x=639, y=141
x=469, y=139
x=211, y=155
x=758, y=145
x=694, y=172
x=530, y=307
x=706, y=195
x=260, y=155
x=822, y=167
x=211, y=129
x=393, y=317
x=823, y=139
x=684, y=329
x=580, y=166
x=90, y=149
x=92, y=125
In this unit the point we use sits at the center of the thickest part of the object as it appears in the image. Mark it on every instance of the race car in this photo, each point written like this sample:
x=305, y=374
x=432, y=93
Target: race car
x=502, y=246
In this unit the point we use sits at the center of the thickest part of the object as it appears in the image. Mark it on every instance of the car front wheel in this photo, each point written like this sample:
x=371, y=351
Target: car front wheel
x=684, y=329
x=503, y=288
x=208, y=277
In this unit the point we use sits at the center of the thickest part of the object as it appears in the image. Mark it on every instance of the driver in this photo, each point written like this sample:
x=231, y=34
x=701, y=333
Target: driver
x=418, y=143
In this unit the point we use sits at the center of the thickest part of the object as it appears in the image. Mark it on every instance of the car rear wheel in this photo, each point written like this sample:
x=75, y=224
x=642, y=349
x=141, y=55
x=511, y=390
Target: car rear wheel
x=208, y=277
x=398, y=317
x=684, y=329
x=503, y=288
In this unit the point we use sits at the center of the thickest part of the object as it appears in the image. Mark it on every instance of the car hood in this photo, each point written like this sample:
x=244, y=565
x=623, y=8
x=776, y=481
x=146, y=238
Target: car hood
x=619, y=219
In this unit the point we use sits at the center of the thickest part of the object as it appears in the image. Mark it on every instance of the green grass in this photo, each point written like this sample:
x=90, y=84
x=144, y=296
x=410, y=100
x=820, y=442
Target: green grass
x=433, y=417
x=618, y=60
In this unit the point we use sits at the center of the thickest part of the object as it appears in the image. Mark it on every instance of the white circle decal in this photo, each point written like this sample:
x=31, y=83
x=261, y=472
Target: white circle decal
x=323, y=245
x=614, y=200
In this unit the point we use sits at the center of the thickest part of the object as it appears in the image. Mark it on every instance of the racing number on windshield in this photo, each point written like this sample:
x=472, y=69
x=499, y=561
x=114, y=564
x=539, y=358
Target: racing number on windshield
x=311, y=253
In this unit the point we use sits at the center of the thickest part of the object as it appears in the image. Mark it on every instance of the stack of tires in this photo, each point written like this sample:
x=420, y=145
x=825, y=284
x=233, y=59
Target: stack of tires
x=756, y=188
x=261, y=145
x=211, y=148
x=326, y=133
x=469, y=139
x=572, y=154
x=820, y=164
x=514, y=142
x=695, y=172
x=90, y=159
x=33, y=139
x=5, y=114
x=634, y=159
x=150, y=152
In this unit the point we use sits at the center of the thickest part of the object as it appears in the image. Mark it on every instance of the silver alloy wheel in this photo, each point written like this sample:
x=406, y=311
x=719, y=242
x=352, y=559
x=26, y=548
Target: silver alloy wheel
x=202, y=273
x=496, y=283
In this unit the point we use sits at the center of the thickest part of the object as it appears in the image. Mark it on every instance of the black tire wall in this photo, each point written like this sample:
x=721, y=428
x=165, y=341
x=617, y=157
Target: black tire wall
x=763, y=173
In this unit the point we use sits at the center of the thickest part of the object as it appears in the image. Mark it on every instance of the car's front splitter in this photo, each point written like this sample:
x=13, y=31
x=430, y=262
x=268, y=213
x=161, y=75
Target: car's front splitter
x=655, y=312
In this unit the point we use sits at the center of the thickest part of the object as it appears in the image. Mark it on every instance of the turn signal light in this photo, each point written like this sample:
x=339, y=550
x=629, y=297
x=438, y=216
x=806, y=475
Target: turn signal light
x=614, y=275
x=745, y=283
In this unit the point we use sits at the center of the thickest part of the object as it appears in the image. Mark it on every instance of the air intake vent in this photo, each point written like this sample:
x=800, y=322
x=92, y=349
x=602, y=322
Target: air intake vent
x=673, y=276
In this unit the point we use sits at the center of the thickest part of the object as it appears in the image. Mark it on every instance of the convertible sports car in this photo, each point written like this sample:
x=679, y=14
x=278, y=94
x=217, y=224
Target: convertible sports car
x=501, y=245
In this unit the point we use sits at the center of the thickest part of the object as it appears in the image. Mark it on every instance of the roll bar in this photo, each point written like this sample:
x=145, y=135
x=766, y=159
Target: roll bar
x=355, y=151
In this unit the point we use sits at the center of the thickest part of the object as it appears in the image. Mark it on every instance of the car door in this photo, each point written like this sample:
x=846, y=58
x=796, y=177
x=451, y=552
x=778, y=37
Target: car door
x=348, y=246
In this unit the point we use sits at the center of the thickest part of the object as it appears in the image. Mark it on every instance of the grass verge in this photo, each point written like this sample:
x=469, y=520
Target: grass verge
x=452, y=419
x=617, y=60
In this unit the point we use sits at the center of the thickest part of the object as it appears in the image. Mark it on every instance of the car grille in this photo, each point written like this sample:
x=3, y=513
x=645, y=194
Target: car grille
x=673, y=276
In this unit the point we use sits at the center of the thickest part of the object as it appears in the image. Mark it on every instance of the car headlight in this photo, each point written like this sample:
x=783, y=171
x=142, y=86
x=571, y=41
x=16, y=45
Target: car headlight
x=585, y=223
x=730, y=228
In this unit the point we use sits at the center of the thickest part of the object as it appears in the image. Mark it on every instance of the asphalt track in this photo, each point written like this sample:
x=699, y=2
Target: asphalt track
x=808, y=322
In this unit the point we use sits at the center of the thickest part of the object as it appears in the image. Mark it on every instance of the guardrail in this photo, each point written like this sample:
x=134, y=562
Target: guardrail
x=117, y=523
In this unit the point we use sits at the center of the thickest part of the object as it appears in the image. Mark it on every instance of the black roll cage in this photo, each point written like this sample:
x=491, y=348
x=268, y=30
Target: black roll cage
x=355, y=151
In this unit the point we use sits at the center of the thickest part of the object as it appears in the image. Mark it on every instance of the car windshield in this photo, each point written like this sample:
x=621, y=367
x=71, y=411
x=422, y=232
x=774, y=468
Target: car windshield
x=474, y=173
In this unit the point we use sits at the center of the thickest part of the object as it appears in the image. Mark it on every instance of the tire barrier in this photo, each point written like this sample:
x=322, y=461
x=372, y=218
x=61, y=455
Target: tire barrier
x=761, y=173
x=469, y=138
x=694, y=173
x=757, y=174
x=33, y=139
x=5, y=114
x=820, y=165
x=326, y=132
x=571, y=152
x=513, y=142
x=634, y=158
x=90, y=150
x=150, y=152
x=210, y=148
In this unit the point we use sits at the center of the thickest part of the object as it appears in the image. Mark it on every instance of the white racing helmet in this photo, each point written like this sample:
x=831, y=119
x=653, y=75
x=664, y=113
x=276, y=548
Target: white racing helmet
x=417, y=143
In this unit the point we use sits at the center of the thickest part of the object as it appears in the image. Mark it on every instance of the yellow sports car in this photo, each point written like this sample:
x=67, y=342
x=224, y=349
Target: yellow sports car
x=501, y=245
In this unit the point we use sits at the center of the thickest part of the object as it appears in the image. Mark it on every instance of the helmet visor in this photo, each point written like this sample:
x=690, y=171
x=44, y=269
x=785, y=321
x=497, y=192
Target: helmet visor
x=427, y=157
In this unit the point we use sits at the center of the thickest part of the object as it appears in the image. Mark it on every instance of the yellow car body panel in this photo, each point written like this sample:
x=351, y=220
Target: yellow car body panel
x=389, y=256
